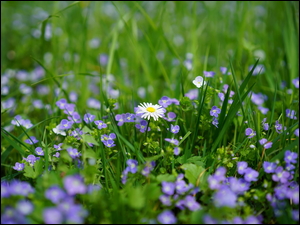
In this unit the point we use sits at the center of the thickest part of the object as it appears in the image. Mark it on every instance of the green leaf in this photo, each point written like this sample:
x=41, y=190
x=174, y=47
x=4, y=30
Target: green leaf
x=85, y=129
x=35, y=171
x=89, y=153
x=165, y=177
x=192, y=172
x=89, y=139
x=29, y=171
x=136, y=197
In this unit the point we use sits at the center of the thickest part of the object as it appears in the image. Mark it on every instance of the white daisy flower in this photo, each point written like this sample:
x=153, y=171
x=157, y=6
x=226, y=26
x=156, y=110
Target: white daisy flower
x=199, y=82
x=148, y=110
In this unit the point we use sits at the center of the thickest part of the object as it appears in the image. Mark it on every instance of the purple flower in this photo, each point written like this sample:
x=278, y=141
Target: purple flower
x=214, y=182
x=18, y=167
x=120, y=118
x=55, y=194
x=32, y=140
x=106, y=137
x=225, y=197
x=109, y=143
x=293, y=193
x=209, y=73
x=181, y=187
x=296, y=132
x=31, y=159
x=238, y=186
x=61, y=103
x=215, y=122
x=259, y=69
x=192, y=94
x=168, y=188
x=73, y=152
x=149, y=166
x=166, y=217
x=174, y=101
x=263, y=110
x=250, y=174
x=69, y=109
x=250, y=133
x=175, y=129
x=221, y=96
x=74, y=185
x=24, y=207
x=93, y=187
x=52, y=215
x=100, y=124
x=142, y=126
x=191, y=203
x=58, y=147
x=280, y=175
x=20, y=188
x=65, y=124
x=172, y=141
x=220, y=173
x=241, y=166
x=278, y=126
x=164, y=101
x=252, y=220
x=170, y=117
x=176, y=151
x=207, y=219
x=93, y=103
x=295, y=213
x=296, y=82
x=291, y=114
x=103, y=59
x=289, y=167
x=268, y=145
x=263, y=141
x=165, y=200
x=280, y=191
x=132, y=165
x=290, y=157
x=215, y=111
x=39, y=151
x=75, y=118
x=88, y=118
x=265, y=125
x=258, y=99
x=224, y=71
x=128, y=117
x=269, y=167
x=75, y=214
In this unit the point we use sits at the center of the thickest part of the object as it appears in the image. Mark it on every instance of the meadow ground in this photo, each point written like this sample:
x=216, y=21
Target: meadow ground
x=150, y=112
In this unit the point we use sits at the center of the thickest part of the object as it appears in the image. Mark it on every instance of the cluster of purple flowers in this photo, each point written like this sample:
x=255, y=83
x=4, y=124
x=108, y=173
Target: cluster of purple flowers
x=31, y=140
x=142, y=126
x=166, y=101
x=19, y=121
x=207, y=219
x=285, y=187
x=181, y=195
x=215, y=111
x=131, y=168
x=108, y=140
x=17, y=214
x=66, y=209
x=227, y=189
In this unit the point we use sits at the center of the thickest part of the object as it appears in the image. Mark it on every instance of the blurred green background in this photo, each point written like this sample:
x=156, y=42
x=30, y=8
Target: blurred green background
x=151, y=43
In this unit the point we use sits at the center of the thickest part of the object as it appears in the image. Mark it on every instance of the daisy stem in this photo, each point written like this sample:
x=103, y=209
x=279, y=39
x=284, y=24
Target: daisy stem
x=146, y=136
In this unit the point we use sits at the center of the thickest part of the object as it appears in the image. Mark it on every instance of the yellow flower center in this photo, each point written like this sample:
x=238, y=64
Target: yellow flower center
x=151, y=109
